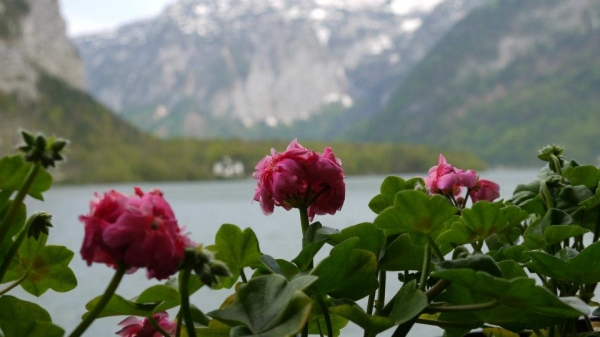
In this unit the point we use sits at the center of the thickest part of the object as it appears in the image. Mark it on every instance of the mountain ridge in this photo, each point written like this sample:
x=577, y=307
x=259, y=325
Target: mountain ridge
x=220, y=70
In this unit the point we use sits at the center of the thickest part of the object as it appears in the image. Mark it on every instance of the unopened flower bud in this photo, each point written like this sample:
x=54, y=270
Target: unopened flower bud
x=218, y=268
x=40, y=221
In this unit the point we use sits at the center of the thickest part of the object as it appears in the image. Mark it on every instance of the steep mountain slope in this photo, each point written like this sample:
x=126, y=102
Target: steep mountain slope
x=103, y=147
x=510, y=78
x=212, y=68
x=32, y=38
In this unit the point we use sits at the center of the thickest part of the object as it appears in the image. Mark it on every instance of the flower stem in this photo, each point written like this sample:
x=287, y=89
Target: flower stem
x=157, y=326
x=465, y=307
x=16, y=204
x=14, y=284
x=326, y=315
x=15, y=247
x=305, y=224
x=425, y=269
x=380, y=293
x=185, y=302
x=108, y=293
x=435, y=247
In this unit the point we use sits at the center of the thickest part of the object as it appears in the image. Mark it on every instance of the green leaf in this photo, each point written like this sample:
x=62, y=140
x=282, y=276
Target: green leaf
x=165, y=296
x=587, y=175
x=527, y=197
x=317, y=324
x=389, y=187
x=371, y=237
x=592, y=202
x=268, y=305
x=118, y=306
x=556, y=234
x=47, y=267
x=570, y=198
x=279, y=266
x=581, y=269
x=13, y=172
x=415, y=212
x=237, y=249
x=458, y=233
x=486, y=218
x=519, y=294
x=517, y=253
x=409, y=303
x=402, y=254
x=499, y=332
x=372, y=324
x=20, y=318
x=476, y=262
x=214, y=329
x=347, y=272
x=306, y=255
x=535, y=236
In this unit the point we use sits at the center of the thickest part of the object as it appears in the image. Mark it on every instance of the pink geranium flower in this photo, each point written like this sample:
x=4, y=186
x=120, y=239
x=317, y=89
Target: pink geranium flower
x=298, y=178
x=442, y=177
x=485, y=190
x=133, y=327
x=139, y=231
x=457, y=184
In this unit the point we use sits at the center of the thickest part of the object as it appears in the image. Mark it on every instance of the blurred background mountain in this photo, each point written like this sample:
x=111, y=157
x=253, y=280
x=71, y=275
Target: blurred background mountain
x=495, y=78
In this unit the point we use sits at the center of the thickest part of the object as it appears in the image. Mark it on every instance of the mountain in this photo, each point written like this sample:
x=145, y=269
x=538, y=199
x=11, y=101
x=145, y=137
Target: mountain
x=509, y=78
x=32, y=39
x=207, y=68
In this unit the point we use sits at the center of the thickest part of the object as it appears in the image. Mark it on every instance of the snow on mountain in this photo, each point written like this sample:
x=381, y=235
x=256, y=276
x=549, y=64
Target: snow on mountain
x=205, y=67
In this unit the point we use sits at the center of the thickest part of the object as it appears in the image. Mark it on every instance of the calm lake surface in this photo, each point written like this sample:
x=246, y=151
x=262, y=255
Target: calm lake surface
x=202, y=207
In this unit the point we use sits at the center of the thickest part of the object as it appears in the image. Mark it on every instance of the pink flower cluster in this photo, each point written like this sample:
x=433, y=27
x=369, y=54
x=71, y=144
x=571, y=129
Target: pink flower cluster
x=139, y=231
x=450, y=181
x=133, y=327
x=299, y=177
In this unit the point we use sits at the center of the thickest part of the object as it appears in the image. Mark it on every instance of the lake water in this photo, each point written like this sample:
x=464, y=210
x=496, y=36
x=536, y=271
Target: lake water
x=202, y=207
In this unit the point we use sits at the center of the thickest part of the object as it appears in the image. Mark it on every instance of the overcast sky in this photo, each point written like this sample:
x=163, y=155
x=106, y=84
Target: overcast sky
x=85, y=16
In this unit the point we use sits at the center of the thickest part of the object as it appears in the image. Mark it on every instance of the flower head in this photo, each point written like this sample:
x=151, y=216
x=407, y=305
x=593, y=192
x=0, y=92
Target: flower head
x=485, y=190
x=452, y=182
x=442, y=177
x=133, y=327
x=299, y=177
x=139, y=231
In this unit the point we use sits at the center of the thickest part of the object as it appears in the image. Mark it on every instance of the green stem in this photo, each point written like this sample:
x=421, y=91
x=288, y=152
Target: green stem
x=108, y=293
x=436, y=248
x=15, y=247
x=557, y=166
x=546, y=195
x=305, y=223
x=403, y=329
x=370, y=303
x=380, y=293
x=479, y=246
x=437, y=289
x=185, y=302
x=326, y=315
x=16, y=204
x=157, y=326
x=243, y=275
x=425, y=269
x=466, y=307
x=14, y=284
x=305, y=330
x=444, y=324
x=179, y=324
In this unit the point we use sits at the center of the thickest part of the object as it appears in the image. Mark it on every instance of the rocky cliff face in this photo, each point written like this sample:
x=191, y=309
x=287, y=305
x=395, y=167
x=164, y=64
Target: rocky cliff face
x=206, y=63
x=33, y=39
